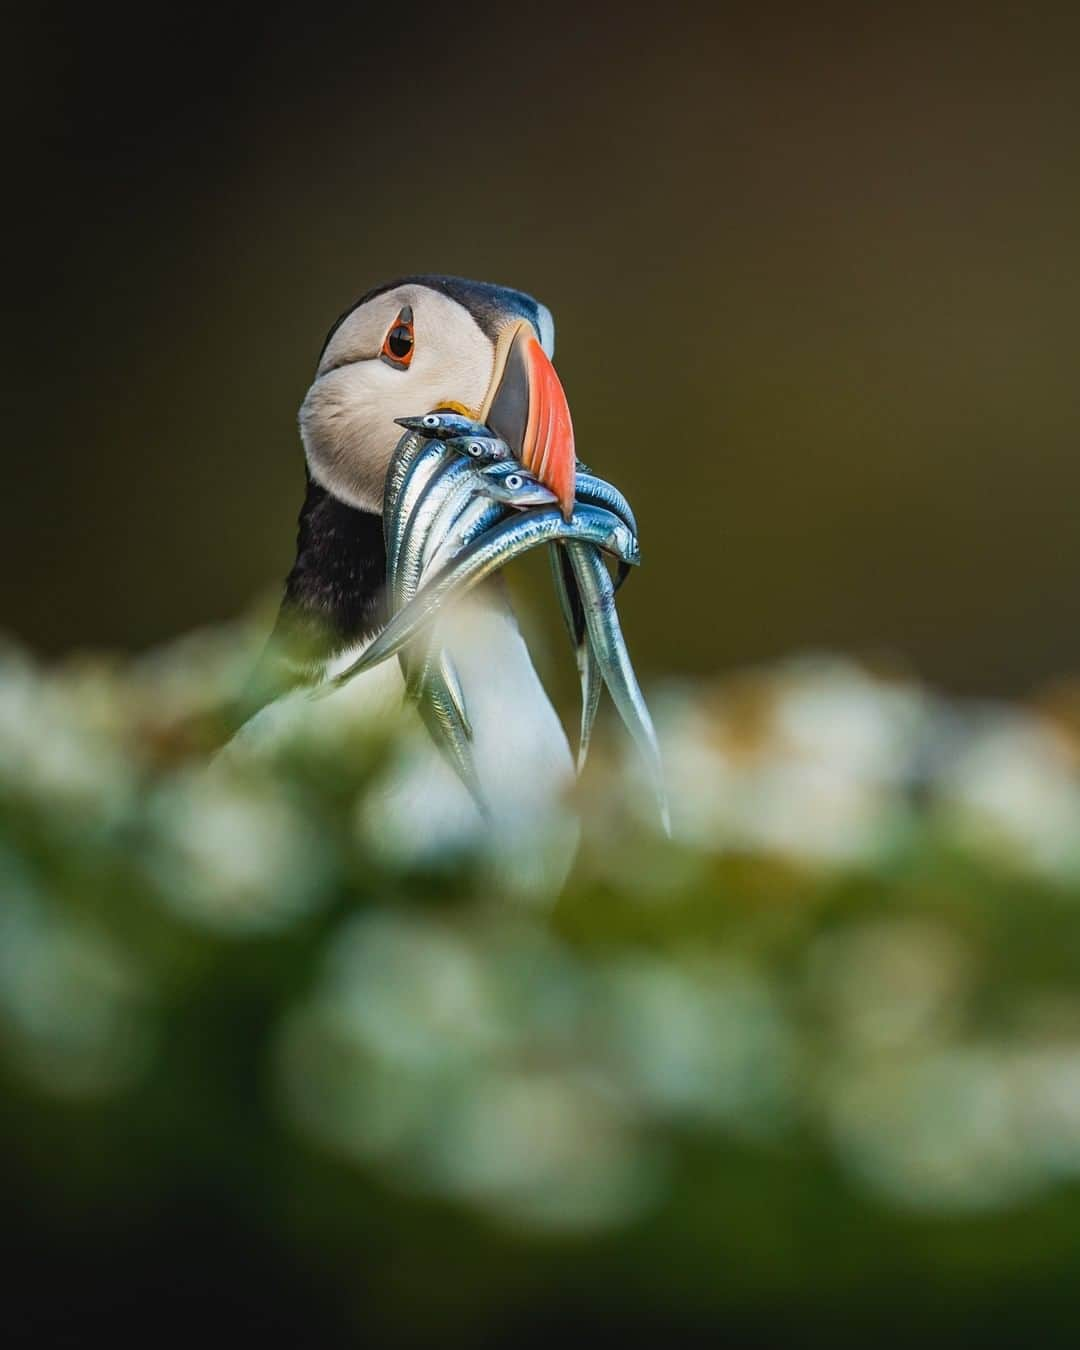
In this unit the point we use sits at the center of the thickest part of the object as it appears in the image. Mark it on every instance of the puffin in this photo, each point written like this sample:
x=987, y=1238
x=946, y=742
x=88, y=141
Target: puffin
x=418, y=344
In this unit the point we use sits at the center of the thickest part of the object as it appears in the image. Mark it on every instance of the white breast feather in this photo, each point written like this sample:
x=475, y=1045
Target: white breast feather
x=423, y=812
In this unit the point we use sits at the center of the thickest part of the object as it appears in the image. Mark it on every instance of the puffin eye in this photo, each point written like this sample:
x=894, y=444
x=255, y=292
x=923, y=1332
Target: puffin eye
x=514, y=481
x=397, y=348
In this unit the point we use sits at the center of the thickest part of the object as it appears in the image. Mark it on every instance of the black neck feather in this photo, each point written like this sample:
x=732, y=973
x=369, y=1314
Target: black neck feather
x=333, y=599
x=334, y=593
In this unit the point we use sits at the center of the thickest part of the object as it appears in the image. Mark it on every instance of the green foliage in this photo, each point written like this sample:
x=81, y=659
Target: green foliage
x=821, y=1049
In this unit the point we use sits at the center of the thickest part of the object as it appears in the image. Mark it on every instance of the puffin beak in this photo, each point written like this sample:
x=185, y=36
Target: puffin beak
x=528, y=409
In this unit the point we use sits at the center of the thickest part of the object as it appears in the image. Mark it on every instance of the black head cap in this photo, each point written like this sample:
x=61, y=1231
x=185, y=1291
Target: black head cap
x=487, y=303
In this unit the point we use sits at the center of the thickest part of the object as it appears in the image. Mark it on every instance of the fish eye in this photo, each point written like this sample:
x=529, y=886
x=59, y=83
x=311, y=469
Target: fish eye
x=514, y=481
x=431, y=420
x=397, y=348
x=475, y=448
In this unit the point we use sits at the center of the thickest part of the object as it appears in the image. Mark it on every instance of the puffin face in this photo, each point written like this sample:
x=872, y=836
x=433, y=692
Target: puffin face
x=427, y=343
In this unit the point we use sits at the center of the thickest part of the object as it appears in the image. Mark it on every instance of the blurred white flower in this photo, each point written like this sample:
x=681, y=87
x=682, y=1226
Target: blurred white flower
x=233, y=854
x=541, y=1148
x=463, y=1062
x=1045, y=1082
x=73, y=1015
x=834, y=713
x=701, y=1038
x=52, y=757
x=939, y=1133
x=890, y=984
x=413, y=991
x=809, y=763
x=1013, y=794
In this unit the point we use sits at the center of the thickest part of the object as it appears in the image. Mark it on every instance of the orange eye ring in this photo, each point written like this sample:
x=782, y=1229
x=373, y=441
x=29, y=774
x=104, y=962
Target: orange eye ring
x=400, y=341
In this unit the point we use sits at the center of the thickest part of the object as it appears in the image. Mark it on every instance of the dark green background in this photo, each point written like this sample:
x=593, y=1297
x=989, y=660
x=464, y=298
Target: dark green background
x=813, y=270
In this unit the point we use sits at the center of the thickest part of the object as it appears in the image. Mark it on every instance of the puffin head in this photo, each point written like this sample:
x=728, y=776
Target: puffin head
x=430, y=342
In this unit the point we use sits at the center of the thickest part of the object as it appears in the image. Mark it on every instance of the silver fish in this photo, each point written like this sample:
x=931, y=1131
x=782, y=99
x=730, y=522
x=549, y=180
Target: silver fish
x=493, y=549
x=589, y=675
x=442, y=687
x=405, y=453
x=588, y=487
x=451, y=483
x=439, y=713
x=440, y=702
x=456, y=509
x=606, y=639
x=467, y=505
x=497, y=482
x=422, y=497
x=480, y=449
x=596, y=491
x=443, y=424
x=474, y=506
x=518, y=489
x=405, y=491
x=434, y=513
x=478, y=516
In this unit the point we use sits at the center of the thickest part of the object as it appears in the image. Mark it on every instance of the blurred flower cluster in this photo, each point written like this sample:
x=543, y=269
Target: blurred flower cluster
x=858, y=961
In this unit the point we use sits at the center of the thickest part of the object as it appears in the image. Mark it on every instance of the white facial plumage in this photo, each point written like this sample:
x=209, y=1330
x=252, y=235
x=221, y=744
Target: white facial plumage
x=347, y=418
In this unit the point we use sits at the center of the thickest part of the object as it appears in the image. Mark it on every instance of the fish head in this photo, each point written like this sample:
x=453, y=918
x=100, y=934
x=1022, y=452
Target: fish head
x=482, y=449
x=519, y=489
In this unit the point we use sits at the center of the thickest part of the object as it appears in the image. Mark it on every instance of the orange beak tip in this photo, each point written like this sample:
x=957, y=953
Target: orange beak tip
x=549, y=438
x=529, y=410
